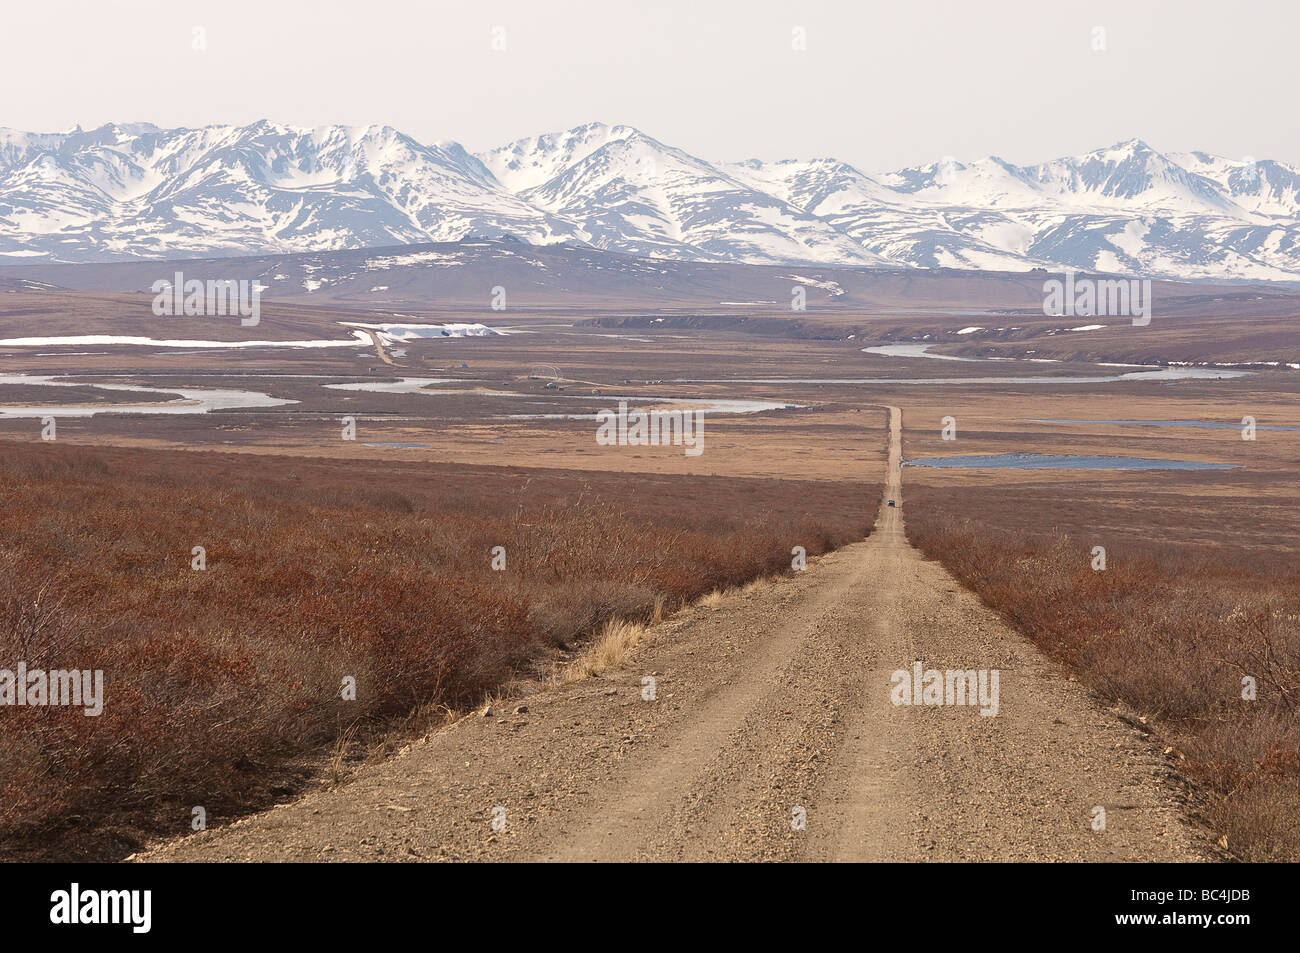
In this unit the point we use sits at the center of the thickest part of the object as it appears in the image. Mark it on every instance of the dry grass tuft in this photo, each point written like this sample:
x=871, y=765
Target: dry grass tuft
x=610, y=649
x=712, y=600
x=339, y=755
x=762, y=584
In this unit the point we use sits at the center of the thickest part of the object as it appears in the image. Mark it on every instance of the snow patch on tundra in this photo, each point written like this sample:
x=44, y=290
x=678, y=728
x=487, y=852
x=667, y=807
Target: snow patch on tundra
x=398, y=333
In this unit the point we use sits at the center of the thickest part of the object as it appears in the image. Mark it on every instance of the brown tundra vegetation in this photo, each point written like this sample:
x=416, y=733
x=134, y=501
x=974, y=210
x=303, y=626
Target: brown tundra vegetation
x=1168, y=631
x=223, y=686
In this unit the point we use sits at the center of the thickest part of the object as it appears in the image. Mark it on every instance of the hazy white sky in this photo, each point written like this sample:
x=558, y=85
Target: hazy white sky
x=880, y=85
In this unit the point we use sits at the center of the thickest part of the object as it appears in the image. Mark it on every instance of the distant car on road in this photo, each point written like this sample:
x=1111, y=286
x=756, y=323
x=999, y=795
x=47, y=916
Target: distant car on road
x=891, y=503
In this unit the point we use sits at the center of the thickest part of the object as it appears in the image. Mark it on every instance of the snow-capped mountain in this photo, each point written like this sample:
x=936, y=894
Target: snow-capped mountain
x=633, y=194
x=139, y=191
x=1125, y=209
x=1264, y=187
x=527, y=163
x=125, y=192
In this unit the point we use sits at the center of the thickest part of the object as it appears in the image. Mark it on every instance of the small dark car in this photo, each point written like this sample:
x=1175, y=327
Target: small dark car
x=891, y=502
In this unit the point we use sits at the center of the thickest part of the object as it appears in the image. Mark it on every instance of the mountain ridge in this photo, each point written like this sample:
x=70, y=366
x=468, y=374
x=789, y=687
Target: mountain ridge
x=128, y=191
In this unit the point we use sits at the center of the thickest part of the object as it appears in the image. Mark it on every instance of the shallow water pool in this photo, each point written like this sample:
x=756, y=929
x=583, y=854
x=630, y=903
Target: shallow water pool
x=1055, y=461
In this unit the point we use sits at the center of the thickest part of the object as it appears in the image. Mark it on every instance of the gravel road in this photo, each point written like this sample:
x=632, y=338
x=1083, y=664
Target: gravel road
x=773, y=735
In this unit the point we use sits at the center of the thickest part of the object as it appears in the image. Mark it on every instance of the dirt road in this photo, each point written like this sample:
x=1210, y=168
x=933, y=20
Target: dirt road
x=774, y=707
x=379, y=347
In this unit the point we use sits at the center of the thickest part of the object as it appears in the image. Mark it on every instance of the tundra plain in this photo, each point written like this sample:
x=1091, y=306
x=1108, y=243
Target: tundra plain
x=464, y=443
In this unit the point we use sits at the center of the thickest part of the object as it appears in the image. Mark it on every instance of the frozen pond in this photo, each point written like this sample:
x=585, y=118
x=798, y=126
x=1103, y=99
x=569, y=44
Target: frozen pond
x=1202, y=424
x=193, y=400
x=914, y=350
x=403, y=385
x=1052, y=461
x=705, y=404
x=1143, y=372
x=203, y=400
x=1156, y=374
